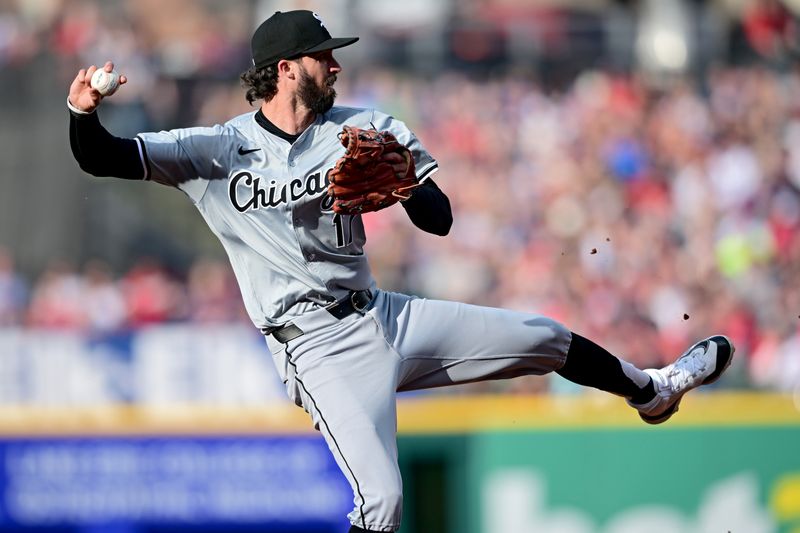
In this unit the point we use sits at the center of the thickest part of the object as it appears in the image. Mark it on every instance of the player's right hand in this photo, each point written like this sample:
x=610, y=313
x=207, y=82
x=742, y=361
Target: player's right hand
x=81, y=94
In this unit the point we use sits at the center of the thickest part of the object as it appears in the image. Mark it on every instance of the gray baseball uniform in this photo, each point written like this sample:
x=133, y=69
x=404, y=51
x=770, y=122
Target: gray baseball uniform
x=266, y=201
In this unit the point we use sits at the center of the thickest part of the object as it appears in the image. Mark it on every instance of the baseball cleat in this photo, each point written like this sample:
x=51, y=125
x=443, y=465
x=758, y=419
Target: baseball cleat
x=701, y=364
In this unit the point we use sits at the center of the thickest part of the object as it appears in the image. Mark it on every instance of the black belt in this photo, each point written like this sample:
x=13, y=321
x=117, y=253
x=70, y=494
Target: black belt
x=356, y=301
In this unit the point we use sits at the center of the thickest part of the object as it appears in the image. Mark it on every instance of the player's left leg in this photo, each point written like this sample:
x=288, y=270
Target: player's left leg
x=655, y=393
x=444, y=343
x=702, y=364
x=590, y=365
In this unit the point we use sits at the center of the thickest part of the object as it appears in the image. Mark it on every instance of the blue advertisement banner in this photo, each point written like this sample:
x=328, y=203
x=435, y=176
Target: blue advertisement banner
x=269, y=484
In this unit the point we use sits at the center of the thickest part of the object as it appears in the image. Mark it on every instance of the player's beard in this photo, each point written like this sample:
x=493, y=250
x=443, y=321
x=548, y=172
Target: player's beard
x=317, y=98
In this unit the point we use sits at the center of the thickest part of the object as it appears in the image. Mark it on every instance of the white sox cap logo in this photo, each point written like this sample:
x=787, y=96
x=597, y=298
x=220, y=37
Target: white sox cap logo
x=292, y=34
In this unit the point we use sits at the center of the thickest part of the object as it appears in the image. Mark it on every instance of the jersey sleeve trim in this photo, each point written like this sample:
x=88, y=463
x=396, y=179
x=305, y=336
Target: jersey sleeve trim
x=144, y=158
x=427, y=171
x=78, y=111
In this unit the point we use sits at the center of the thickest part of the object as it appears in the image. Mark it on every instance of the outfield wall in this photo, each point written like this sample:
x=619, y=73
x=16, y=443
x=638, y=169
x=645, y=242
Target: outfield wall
x=726, y=462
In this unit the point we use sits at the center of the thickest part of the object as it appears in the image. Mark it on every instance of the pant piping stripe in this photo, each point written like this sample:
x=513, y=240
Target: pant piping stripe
x=333, y=438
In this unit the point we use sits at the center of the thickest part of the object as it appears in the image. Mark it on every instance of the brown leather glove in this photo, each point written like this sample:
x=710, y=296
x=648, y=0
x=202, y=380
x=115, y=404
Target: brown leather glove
x=367, y=178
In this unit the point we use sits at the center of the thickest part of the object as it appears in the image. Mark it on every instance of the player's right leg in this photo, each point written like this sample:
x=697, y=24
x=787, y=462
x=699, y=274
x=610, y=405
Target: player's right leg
x=344, y=375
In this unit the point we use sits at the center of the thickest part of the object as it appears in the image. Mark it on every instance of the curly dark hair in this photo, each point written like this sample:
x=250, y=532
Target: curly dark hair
x=260, y=83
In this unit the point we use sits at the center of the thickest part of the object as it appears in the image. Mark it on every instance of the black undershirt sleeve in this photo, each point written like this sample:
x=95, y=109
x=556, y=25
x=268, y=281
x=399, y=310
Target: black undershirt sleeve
x=101, y=154
x=429, y=209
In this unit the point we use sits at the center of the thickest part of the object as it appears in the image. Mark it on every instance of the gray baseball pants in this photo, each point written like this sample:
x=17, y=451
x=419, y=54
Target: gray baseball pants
x=345, y=374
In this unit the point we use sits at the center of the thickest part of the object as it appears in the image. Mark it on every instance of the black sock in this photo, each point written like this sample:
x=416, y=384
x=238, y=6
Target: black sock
x=592, y=366
x=645, y=394
x=356, y=529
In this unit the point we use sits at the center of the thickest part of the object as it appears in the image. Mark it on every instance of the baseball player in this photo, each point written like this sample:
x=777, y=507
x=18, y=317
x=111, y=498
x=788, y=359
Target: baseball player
x=342, y=346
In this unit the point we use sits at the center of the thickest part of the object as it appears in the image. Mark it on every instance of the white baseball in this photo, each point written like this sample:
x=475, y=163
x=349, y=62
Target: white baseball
x=106, y=83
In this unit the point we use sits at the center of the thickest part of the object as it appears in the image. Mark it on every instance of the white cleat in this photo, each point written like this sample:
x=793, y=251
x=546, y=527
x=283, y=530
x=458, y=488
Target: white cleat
x=701, y=364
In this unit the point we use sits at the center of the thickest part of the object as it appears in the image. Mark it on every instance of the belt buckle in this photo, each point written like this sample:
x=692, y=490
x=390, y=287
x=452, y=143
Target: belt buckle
x=355, y=305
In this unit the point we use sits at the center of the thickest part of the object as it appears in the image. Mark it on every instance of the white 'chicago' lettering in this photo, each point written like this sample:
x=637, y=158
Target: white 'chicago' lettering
x=247, y=192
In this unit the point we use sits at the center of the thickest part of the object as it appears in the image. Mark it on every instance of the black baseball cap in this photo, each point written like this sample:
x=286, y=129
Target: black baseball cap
x=290, y=34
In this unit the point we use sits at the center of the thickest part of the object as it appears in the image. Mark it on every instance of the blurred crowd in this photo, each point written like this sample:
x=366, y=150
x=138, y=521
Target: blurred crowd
x=94, y=300
x=642, y=215
x=643, y=218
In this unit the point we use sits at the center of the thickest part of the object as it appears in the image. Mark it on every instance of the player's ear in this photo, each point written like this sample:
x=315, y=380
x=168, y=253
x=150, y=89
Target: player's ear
x=287, y=69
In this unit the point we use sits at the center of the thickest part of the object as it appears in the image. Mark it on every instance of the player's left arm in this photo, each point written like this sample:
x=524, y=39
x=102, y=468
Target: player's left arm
x=428, y=208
